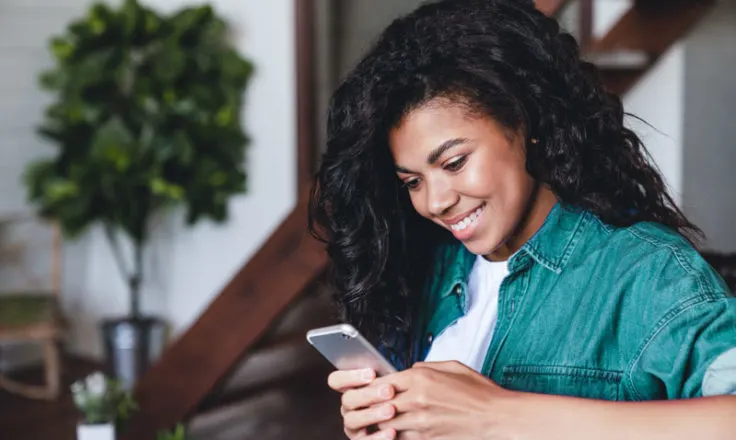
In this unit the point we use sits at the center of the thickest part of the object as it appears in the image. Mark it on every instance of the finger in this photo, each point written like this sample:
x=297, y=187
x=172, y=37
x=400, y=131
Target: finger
x=363, y=418
x=407, y=402
x=367, y=396
x=345, y=380
x=400, y=381
x=413, y=421
x=385, y=434
x=446, y=366
x=355, y=434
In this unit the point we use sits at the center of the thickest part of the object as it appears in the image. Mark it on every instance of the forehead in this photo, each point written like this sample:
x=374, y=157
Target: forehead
x=429, y=126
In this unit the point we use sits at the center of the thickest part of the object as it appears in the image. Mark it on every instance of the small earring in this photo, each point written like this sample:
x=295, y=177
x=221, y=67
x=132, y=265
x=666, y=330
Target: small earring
x=535, y=140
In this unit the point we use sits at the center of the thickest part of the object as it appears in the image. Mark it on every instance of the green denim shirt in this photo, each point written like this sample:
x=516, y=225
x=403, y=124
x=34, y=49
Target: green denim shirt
x=591, y=310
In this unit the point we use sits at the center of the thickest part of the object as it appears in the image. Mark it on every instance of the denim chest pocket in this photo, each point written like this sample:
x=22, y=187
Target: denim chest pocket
x=563, y=381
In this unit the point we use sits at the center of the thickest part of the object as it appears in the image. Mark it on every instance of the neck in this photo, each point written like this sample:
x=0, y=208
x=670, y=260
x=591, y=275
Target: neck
x=540, y=205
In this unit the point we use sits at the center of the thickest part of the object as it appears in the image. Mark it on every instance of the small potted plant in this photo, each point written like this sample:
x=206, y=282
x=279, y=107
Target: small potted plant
x=178, y=433
x=104, y=404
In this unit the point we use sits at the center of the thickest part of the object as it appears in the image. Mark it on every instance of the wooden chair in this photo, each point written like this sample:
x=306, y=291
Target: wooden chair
x=32, y=313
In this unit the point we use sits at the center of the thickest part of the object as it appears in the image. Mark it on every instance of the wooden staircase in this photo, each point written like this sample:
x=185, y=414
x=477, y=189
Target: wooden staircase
x=244, y=366
x=648, y=29
x=639, y=38
x=281, y=378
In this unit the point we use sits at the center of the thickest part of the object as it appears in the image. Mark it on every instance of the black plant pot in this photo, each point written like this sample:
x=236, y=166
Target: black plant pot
x=131, y=346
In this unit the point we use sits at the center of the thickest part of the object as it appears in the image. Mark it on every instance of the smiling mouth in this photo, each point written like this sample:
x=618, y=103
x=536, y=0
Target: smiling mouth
x=469, y=220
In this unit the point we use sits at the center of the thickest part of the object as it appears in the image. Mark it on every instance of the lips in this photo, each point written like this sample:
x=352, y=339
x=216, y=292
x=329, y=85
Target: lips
x=462, y=221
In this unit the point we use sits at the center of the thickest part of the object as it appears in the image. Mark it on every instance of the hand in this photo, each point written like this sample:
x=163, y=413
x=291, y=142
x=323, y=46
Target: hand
x=363, y=404
x=444, y=400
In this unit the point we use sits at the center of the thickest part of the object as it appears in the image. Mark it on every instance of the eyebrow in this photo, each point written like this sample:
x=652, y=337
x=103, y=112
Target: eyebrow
x=435, y=154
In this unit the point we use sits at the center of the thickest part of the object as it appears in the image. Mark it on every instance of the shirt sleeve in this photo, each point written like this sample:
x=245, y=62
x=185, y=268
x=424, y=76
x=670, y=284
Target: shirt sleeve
x=691, y=353
x=720, y=377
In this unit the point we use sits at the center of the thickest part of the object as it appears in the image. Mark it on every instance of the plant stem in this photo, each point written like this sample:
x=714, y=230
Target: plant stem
x=116, y=251
x=135, y=281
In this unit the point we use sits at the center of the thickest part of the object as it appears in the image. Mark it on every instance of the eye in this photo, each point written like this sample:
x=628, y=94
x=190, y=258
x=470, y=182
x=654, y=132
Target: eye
x=456, y=164
x=411, y=184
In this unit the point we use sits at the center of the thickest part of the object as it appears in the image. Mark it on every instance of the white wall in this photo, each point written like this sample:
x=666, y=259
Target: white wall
x=365, y=20
x=709, y=148
x=25, y=26
x=658, y=99
x=187, y=267
x=606, y=13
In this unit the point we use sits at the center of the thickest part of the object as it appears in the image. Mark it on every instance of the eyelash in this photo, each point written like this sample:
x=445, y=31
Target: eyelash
x=453, y=166
x=457, y=164
x=411, y=184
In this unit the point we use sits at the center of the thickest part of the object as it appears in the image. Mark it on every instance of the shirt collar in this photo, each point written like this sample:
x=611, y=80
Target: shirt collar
x=551, y=247
x=553, y=244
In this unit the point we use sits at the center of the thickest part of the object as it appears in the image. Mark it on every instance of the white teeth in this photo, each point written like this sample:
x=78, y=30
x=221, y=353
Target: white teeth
x=467, y=221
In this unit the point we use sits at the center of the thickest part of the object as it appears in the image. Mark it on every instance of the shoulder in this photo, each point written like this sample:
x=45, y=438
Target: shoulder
x=683, y=314
x=661, y=261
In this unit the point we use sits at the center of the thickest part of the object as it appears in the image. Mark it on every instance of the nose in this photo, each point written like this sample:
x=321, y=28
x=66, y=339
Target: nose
x=440, y=197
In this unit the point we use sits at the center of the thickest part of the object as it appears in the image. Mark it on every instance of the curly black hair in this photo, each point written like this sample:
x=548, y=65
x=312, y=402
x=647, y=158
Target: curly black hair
x=500, y=58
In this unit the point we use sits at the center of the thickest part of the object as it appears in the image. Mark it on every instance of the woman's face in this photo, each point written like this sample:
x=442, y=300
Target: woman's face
x=467, y=174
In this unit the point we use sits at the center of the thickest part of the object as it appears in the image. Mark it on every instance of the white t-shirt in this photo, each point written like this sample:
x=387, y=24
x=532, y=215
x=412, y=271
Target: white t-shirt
x=467, y=340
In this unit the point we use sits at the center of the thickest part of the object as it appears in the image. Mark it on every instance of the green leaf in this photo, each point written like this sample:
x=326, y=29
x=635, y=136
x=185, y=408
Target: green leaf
x=61, y=190
x=169, y=63
x=113, y=144
x=53, y=79
x=225, y=116
x=61, y=48
x=160, y=187
x=218, y=178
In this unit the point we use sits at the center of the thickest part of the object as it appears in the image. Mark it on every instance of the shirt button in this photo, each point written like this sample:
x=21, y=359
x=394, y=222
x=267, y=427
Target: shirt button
x=430, y=338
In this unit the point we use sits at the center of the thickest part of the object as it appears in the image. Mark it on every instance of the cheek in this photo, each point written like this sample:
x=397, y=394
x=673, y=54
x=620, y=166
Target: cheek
x=479, y=182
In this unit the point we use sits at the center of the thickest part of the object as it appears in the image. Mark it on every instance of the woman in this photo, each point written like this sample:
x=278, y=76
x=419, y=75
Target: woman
x=501, y=235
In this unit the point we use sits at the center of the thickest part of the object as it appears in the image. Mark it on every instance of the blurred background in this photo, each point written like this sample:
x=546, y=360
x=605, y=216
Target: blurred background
x=155, y=158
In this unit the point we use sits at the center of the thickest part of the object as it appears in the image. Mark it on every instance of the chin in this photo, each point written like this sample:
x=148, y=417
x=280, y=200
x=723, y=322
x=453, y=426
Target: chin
x=479, y=247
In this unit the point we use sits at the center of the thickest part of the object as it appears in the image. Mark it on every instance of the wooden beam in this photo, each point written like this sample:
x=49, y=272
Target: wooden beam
x=550, y=7
x=187, y=371
x=585, y=32
x=652, y=26
x=305, y=91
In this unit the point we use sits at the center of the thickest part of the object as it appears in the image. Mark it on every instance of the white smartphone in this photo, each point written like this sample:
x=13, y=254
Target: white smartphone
x=347, y=349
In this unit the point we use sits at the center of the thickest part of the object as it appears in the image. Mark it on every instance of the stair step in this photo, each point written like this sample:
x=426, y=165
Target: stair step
x=263, y=369
x=624, y=59
x=651, y=26
x=313, y=309
x=299, y=408
x=620, y=80
x=279, y=356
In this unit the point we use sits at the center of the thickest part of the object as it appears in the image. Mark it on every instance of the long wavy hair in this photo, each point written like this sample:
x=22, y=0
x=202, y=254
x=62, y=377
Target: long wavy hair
x=502, y=59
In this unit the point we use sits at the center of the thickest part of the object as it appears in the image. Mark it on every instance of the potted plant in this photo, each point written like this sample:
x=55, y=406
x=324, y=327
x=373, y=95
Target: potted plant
x=104, y=405
x=178, y=433
x=147, y=115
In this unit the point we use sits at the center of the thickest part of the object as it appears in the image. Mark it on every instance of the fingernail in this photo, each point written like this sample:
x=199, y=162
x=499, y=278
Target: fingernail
x=367, y=375
x=387, y=411
x=389, y=434
x=385, y=392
